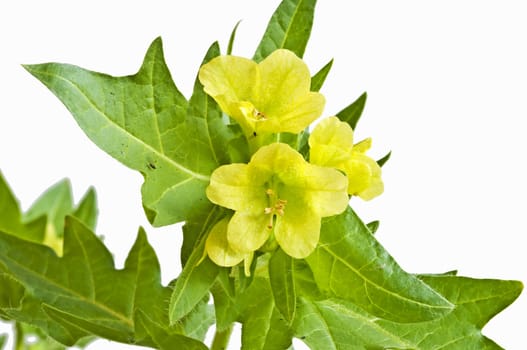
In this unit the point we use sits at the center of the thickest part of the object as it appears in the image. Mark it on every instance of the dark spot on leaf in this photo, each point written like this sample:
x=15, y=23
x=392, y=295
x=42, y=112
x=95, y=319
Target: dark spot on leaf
x=151, y=166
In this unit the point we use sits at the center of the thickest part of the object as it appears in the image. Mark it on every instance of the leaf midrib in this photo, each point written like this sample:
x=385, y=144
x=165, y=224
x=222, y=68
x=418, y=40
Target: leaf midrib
x=395, y=295
x=71, y=293
x=199, y=176
x=364, y=319
x=293, y=17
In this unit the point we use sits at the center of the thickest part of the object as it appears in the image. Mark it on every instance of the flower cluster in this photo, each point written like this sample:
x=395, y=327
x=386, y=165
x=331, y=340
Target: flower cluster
x=279, y=198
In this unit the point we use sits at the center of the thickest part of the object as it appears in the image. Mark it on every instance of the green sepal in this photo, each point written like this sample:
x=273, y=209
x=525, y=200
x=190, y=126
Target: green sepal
x=232, y=38
x=352, y=113
x=320, y=77
x=384, y=159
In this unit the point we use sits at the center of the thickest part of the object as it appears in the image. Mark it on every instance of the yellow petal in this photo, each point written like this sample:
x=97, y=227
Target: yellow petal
x=230, y=80
x=233, y=186
x=364, y=176
x=285, y=97
x=218, y=248
x=284, y=79
x=273, y=96
x=375, y=189
x=325, y=190
x=248, y=232
x=330, y=142
x=298, y=231
x=296, y=116
x=277, y=159
x=359, y=176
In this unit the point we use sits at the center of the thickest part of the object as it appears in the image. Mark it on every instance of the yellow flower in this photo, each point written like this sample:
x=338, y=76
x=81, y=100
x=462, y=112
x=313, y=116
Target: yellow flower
x=279, y=196
x=331, y=145
x=268, y=97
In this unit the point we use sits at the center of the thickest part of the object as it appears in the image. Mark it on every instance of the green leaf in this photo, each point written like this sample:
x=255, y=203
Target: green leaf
x=140, y=120
x=193, y=284
x=289, y=28
x=198, y=321
x=83, y=291
x=262, y=325
x=36, y=339
x=320, y=77
x=3, y=340
x=87, y=210
x=55, y=203
x=350, y=264
x=226, y=305
x=44, y=221
x=11, y=292
x=333, y=325
x=339, y=324
x=30, y=312
x=231, y=39
x=352, y=113
x=162, y=340
x=198, y=274
x=283, y=284
x=205, y=118
x=196, y=227
x=11, y=219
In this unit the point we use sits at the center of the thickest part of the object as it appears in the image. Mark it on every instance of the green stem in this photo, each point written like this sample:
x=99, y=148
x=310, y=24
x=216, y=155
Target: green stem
x=221, y=339
x=19, y=337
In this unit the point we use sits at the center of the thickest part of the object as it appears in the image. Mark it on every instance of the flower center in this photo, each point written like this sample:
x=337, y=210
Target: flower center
x=276, y=206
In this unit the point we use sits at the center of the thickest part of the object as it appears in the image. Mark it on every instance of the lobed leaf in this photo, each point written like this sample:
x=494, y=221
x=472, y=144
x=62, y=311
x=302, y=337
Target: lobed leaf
x=44, y=220
x=350, y=264
x=289, y=28
x=11, y=220
x=141, y=121
x=87, y=210
x=55, y=203
x=83, y=293
x=332, y=323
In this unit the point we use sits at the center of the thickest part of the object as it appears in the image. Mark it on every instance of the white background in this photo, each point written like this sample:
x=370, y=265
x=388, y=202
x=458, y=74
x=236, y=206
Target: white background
x=447, y=85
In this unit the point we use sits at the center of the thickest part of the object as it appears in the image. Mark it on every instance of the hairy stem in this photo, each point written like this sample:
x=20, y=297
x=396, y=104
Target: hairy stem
x=221, y=339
